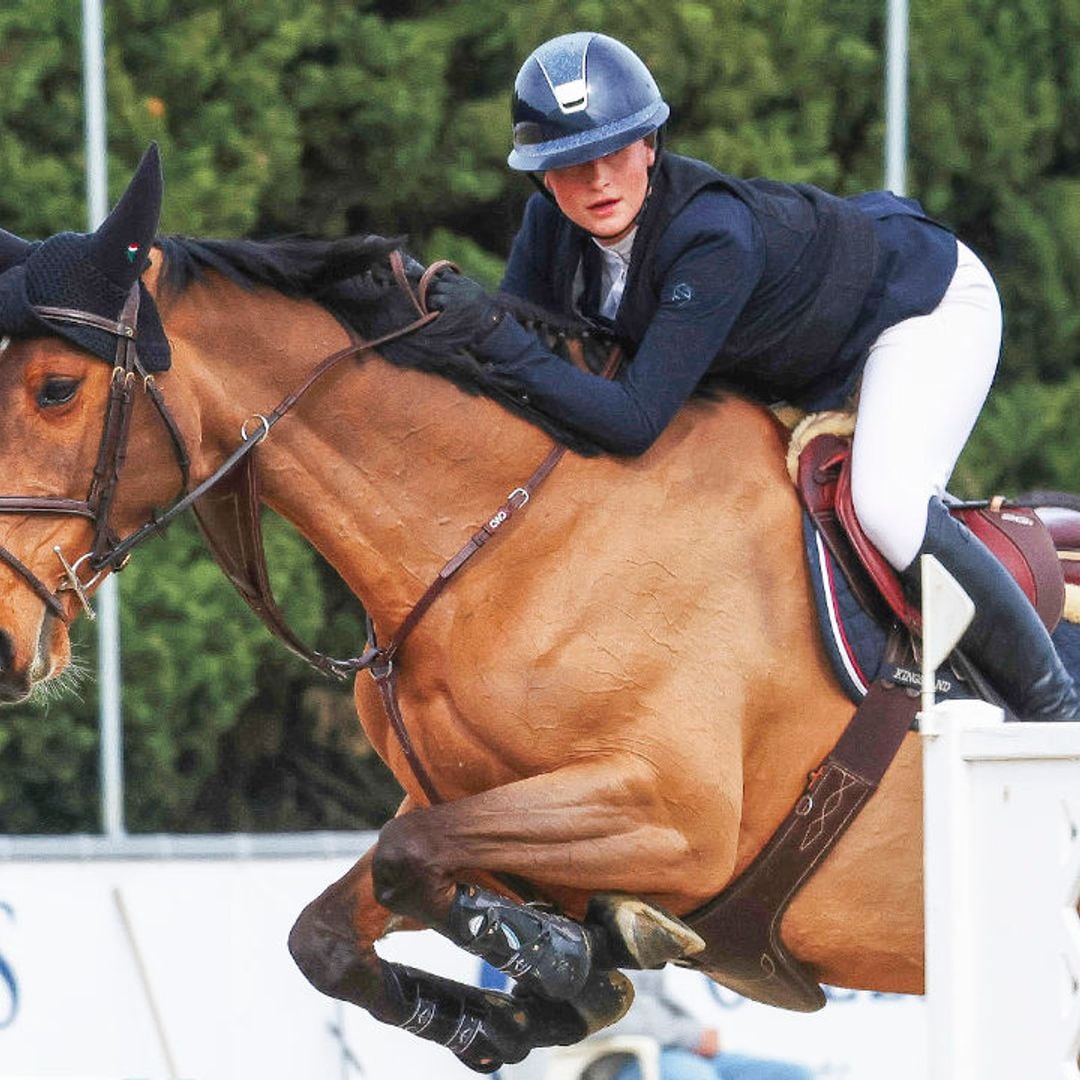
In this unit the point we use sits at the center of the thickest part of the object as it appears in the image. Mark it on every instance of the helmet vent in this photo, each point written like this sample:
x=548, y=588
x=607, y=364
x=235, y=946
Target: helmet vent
x=572, y=96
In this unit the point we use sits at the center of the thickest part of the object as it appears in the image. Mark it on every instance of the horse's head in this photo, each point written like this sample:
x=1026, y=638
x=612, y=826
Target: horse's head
x=79, y=342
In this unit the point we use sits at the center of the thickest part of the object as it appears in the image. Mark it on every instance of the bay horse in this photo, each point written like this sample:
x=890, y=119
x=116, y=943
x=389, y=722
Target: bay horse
x=620, y=698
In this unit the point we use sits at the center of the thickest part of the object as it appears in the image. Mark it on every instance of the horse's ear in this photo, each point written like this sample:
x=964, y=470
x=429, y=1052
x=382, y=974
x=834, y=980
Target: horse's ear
x=121, y=245
x=13, y=250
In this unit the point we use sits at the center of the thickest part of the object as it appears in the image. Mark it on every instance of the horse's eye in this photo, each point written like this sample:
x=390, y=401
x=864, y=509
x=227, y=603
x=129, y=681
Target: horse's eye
x=57, y=391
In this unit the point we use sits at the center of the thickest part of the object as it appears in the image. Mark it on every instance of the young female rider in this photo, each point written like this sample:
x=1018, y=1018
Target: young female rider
x=782, y=291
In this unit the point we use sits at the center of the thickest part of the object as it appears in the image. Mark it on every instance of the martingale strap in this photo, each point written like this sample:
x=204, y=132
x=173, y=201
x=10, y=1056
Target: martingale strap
x=380, y=660
x=229, y=515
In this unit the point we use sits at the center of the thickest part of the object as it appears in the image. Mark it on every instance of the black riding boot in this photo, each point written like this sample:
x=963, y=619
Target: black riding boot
x=1006, y=639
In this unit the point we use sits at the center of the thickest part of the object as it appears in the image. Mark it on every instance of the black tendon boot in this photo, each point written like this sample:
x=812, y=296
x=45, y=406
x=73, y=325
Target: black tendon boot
x=1006, y=639
x=543, y=953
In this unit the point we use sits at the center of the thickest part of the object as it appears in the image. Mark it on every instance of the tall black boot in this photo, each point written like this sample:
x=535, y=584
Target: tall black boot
x=1006, y=639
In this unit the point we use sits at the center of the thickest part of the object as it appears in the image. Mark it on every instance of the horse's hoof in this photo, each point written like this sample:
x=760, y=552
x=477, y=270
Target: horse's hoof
x=604, y=999
x=550, y=1023
x=513, y=1025
x=640, y=935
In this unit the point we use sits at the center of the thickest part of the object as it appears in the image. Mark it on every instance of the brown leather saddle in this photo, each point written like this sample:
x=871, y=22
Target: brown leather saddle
x=742, y=924
x=1025, y=544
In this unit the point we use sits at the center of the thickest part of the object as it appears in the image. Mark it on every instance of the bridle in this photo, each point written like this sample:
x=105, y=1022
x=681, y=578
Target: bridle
x=111, y=453
x=108, y=551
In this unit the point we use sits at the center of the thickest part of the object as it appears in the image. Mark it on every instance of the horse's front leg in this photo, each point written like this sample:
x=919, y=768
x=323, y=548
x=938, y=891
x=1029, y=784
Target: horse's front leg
x=332, y=943
x=591, y=828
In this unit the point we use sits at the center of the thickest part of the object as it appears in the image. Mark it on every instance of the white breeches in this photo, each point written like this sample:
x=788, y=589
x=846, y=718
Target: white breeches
x=922, y=389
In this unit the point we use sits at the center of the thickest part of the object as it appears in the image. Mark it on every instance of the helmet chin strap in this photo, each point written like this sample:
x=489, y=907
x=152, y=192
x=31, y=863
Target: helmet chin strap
x=538, y=182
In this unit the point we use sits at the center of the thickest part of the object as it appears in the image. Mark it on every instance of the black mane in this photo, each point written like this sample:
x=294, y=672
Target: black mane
x=352, y=279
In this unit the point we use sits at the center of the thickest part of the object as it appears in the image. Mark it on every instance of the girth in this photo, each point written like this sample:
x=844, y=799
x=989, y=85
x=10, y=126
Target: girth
x=741, y=925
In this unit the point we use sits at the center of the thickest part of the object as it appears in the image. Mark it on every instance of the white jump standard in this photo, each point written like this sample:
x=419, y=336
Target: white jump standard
x=1002, y=882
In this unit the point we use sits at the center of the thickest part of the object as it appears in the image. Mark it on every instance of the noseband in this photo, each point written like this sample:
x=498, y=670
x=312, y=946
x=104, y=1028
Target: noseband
x=108, y=551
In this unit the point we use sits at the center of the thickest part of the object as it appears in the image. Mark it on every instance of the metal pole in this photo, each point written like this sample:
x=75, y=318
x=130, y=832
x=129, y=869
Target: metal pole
x=97, y=203
x=896, y=104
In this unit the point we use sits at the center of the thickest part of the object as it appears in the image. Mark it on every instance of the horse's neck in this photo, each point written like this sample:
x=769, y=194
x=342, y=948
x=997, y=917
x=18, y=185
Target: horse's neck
x=386, y=471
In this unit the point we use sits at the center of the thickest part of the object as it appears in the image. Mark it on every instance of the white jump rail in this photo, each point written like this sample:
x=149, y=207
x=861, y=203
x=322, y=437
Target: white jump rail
x=1002, y=883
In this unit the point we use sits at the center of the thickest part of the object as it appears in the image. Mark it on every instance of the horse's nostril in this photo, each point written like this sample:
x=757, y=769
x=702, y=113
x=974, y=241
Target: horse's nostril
x=15, y=686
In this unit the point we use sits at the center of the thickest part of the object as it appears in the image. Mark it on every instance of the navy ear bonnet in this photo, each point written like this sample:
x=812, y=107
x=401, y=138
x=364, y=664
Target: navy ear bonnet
x=91, y=272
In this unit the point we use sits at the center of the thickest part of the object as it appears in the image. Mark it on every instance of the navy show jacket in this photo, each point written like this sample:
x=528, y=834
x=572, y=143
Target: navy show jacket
x=776, y=290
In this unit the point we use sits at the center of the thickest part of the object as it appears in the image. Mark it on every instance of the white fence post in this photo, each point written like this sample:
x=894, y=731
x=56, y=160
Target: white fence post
x=1002, y=865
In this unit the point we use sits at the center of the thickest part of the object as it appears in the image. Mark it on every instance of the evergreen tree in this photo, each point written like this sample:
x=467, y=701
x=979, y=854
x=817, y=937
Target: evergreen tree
x=324, y=117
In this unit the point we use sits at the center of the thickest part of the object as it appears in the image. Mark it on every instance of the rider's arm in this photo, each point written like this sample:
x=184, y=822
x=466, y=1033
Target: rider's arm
x=702, y=288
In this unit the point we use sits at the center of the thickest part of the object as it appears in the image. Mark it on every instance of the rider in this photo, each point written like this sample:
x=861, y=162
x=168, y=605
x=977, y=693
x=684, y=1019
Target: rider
x=782, y=292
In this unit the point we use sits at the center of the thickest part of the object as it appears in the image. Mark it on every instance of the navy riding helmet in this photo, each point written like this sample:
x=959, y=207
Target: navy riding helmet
x=579, y=97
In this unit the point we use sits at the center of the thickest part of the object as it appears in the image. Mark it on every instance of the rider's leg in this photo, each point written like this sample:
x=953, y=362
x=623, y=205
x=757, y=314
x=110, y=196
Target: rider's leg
x=922, y=390
x=1006, y=638
x=924, y=384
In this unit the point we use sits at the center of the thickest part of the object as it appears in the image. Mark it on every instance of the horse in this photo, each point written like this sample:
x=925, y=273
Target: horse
x=606, y=713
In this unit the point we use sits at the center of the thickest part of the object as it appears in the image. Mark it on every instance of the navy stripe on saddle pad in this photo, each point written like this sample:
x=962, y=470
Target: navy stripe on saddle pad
x=855, y=641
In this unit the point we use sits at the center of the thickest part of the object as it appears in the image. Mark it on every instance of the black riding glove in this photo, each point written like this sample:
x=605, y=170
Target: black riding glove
x=457, y=295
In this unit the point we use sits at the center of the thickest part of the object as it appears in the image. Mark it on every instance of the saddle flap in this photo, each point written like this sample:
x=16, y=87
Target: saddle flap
x=879, y=569
x=818, y=473
x=1020, y=540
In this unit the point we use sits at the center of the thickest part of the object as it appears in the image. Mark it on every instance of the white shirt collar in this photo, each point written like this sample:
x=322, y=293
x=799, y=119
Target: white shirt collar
x=621, y=248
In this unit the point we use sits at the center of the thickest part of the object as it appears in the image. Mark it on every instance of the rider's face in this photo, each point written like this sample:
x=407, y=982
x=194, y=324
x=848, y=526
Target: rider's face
x=604, y=196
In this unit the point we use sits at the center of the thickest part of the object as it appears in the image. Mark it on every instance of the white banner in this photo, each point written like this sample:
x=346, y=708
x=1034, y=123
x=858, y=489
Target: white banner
x=140, y=969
